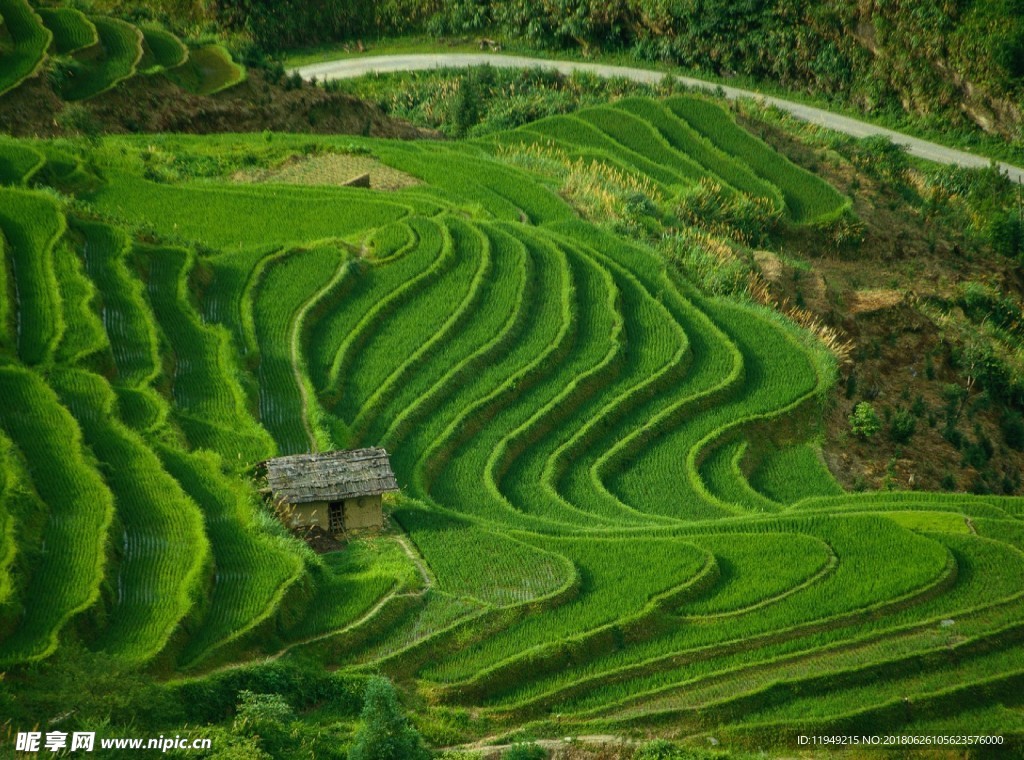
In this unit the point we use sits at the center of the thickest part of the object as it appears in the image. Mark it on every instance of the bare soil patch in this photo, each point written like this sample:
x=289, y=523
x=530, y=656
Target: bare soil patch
x=877, y=293
x=154, y=104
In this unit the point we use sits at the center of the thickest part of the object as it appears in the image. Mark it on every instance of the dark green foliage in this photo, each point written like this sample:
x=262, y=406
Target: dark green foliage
x=213, y=699
x=983, y=303
x=465, y=107
x=276, y=24
x=117, y=693
x=265, y=717
x=902, y=425
x=1006, y=233
x=385, y=733
x=1013, y=429
x=76, y=119
x=524, y=752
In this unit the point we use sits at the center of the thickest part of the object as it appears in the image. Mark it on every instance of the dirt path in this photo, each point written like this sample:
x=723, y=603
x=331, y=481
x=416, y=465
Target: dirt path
x=353, y=67
x=417, y=560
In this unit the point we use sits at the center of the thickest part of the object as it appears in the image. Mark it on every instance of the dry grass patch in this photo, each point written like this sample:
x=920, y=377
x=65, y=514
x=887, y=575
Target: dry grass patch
x=330, y=169
x=865, y=301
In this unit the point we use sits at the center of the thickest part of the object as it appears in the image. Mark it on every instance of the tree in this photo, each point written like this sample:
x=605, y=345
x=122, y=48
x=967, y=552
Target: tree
x=864, y=421
x=386, y=733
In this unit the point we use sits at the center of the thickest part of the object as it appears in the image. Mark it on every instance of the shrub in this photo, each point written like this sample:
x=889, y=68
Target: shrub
x=386, y=733
x=1013, y=429
x=79, y=120
x=902, y=425
x=266, y=719
x=524, y=752
x=255, y=710
x=864, y=422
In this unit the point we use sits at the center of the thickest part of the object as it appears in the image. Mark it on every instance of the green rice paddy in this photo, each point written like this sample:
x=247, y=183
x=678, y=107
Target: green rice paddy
x=613, y=513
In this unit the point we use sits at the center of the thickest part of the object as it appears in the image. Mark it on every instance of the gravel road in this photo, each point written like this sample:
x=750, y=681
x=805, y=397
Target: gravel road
x=354, y=67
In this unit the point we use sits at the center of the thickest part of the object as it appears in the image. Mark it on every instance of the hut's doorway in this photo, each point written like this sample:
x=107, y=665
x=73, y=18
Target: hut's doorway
x=336, y=517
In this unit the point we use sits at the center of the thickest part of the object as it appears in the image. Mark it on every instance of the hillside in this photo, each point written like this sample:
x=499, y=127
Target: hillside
x=69, y=73
x=950, y=66
x=615, y=515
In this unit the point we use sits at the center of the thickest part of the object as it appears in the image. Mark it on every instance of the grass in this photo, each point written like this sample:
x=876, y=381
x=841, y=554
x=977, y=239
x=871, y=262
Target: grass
x=252, y=571
x=277, y=301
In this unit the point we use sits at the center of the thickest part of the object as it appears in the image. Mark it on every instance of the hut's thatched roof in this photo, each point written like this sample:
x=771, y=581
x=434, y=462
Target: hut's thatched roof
x=331, y=476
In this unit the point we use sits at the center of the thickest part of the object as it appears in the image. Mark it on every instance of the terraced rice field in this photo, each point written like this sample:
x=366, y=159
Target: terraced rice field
x=23, y=43
x=609, y=479
x=95, y=53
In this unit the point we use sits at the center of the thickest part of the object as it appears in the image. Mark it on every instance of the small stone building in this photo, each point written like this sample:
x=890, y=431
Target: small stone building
x=339, y=491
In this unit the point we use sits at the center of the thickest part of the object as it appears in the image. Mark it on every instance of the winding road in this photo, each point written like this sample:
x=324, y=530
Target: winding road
x=353, y=67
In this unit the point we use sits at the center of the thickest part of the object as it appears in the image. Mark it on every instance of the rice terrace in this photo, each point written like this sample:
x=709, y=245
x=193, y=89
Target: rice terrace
x=605, y=415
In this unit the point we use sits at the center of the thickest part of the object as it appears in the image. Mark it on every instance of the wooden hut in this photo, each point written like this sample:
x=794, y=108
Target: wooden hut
x=339, y=491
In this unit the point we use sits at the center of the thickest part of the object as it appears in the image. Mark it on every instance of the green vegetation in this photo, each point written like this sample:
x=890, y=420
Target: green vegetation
x=808, y=199
x=33, y=320
x=614, y=512
x=161, y=50
x=87, y=55
x=72, y=30
x=207, y=70
x=864, y=421
x=60, y=526
x=23, y=43
x=908, y=69
x=102, y=66
x=18, y=162
x=385, y=733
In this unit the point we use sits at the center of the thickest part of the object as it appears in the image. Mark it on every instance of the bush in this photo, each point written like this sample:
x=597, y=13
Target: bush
x=386, y=733
x=524, y=752
x=902, y=425
x=266, y=719
x=1013, y=429
x=864, y=422
x=76, y=119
